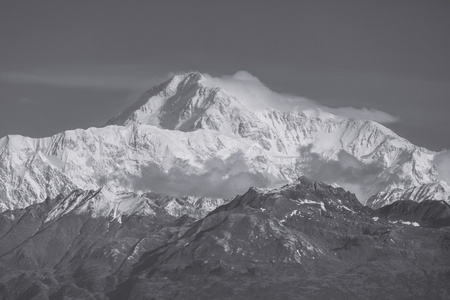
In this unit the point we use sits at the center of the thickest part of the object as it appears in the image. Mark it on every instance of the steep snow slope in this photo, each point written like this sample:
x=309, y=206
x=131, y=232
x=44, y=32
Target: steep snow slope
x=439, y=191
x=188, y=125
x=189, y=102
x=105, y=204
x=112, y=157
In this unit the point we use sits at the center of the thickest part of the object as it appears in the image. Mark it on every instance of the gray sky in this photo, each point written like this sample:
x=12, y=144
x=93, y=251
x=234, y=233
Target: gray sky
x=66, y=65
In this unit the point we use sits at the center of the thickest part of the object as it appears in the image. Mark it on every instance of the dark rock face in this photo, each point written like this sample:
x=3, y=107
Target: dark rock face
x=75, y=255
x=428, y=213
x=304, y=241
x=307, y=240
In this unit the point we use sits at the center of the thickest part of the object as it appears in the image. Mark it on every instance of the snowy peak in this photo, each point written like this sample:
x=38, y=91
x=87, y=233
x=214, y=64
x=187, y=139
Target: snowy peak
x=191, y=101
x=180, y=130
x=146, y=109
x=437, y=191
x=184, y=103
x=106, y=204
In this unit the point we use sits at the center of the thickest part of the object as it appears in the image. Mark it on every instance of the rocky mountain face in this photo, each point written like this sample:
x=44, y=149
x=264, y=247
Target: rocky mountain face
x=430, y=213
x=82, y=244
x=187, y=128
x=305, y=240
x=146, y=207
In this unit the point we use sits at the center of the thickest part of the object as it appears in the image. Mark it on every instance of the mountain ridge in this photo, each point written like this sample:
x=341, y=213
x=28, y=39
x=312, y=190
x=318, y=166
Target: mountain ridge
x=304, y=240
x=187, y=126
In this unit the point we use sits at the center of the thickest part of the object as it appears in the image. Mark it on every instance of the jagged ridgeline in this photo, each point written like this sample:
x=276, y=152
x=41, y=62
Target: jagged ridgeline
x=156, y=205
x=305, y=240
x=191, y=137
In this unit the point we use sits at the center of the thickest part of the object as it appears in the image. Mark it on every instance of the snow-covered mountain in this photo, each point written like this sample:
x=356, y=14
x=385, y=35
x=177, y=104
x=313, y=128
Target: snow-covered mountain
x=190, y=137
x=432, y=191
x=113, y=157
x=98, y=204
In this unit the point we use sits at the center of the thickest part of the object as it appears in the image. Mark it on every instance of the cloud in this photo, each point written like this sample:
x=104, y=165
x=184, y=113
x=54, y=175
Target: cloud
x=245, y=76
x=442, y=162
x=347, y=171
x=243, y=85
x=220, y=179
x=363, y=114
x=256, y=96
x=115, y=77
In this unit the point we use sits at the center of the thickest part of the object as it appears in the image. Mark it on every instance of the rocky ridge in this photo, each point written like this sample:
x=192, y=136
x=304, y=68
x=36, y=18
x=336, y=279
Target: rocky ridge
x=305, y=240
x=185, y=125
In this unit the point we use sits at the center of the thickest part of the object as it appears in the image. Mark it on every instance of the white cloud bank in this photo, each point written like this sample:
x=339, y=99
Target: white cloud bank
x=347, y=171
x=257, y=96
x=442, y=162
x=220, y=179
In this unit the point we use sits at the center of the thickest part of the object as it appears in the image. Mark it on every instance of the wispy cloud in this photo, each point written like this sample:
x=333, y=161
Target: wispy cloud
x=120, y=77
x=362, y=114
x=221, y=179
x=442, y=162
x=137, y=78
x=347, y=171
x=257, y=96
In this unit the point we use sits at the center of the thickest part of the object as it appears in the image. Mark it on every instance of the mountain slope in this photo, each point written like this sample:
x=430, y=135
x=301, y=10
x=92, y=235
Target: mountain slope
x=83, y=243
x=191, y=101
x=187, y=128
x=429, y=213
x=111, y=157
x=439, y=191
x=307, y=240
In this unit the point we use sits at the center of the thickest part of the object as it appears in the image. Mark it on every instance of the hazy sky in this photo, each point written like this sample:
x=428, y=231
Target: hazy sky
x=66, y=65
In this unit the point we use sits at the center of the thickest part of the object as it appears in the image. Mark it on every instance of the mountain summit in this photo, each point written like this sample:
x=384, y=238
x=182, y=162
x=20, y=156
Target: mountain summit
x=192, y=101
x=157, y=204
x=192, y=136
